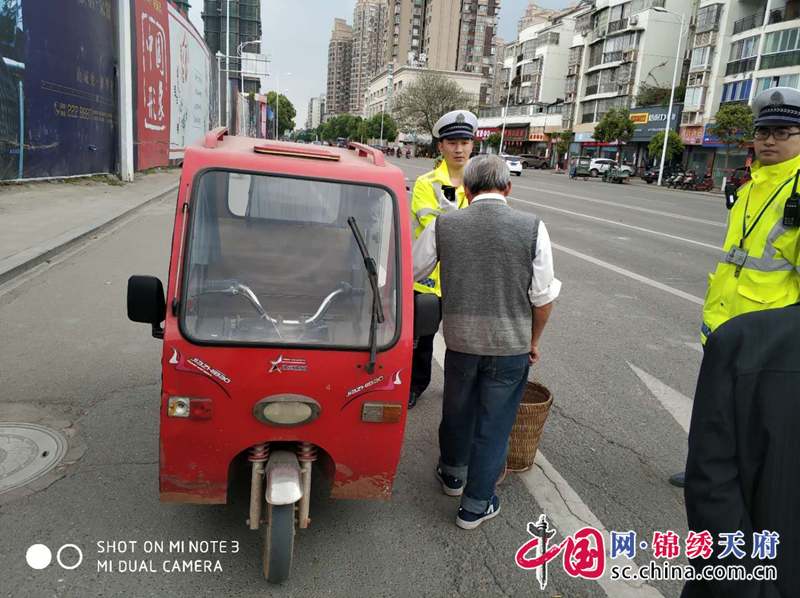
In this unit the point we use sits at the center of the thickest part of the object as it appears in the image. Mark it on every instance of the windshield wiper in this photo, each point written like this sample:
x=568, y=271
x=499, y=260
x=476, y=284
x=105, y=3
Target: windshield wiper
x=377, y=308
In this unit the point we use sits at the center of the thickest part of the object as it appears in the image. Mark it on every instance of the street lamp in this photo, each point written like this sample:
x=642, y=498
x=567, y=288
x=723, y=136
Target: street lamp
x=672, y=92
x=278, y=101
x=241, y=60
x=219, y=89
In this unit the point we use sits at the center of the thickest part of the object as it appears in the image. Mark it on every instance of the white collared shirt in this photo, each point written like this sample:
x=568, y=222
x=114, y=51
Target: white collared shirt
x=545, y=287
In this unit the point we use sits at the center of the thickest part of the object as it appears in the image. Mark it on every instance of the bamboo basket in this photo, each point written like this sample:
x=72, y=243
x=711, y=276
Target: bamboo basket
x=527, y=430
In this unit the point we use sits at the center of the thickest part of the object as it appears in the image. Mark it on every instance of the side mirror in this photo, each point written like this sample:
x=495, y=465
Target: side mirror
x=146, y=303
x=427, y=314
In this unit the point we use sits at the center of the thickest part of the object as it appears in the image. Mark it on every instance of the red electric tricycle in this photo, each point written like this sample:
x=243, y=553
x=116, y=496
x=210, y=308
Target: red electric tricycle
x=287, y=328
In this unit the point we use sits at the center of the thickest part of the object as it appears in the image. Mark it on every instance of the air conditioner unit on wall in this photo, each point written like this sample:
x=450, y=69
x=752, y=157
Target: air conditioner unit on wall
x=634, y=20
x=629, y=56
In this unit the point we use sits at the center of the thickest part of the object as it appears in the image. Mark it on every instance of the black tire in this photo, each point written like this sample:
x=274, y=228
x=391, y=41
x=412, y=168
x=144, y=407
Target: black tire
x=518, y=173
x=524, y=165
x=594, y=172
x=648, y=182
x=279, y=543
x=544, y=166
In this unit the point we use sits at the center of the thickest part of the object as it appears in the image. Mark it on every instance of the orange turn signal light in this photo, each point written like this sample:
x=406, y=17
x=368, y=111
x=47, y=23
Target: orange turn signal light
x=381, y=413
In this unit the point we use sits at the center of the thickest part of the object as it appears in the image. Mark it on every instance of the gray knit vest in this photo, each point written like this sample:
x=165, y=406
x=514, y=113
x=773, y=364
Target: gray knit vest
x=486, y=256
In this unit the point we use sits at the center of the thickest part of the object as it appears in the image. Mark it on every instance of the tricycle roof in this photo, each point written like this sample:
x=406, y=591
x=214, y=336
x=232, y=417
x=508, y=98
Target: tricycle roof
x=358, y=163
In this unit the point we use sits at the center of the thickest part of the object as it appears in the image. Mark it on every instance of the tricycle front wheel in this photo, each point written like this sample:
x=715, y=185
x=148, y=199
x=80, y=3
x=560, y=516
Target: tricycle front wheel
x=279, y=543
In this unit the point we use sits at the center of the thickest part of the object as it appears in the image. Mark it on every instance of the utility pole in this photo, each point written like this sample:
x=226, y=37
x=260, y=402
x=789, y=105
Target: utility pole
x=125, y=75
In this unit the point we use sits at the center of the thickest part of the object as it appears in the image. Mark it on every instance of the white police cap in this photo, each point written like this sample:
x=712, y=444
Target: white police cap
x=777, y=106
x=458, y=124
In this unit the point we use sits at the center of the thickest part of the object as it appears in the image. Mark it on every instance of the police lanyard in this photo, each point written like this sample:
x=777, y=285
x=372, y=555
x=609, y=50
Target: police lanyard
x=745, y=232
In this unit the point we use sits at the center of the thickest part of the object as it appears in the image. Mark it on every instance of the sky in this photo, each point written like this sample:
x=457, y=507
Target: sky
x=296, y=34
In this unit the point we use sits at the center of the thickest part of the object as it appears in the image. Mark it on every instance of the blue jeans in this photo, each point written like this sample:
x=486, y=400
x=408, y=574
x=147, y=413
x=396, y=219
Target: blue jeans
x=481, y=398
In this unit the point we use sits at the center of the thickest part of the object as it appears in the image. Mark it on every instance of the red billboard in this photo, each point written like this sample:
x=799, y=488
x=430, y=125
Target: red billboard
x=153, y=60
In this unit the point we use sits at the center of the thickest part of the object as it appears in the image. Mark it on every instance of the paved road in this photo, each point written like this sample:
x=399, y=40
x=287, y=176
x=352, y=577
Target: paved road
x=621, y=356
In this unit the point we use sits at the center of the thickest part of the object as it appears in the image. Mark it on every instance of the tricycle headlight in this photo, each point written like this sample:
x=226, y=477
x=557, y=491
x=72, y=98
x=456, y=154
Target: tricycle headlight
x=286, y=410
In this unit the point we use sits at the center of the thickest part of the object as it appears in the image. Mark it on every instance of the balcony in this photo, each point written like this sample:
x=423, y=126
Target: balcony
x=783, y=14
x=748, y=23
x=592, y=89
x=708, y=18
x=740, y=66
x=597, y=34
x=612, y=87
x=612, y=56
x=615, y=26
x=775, y=61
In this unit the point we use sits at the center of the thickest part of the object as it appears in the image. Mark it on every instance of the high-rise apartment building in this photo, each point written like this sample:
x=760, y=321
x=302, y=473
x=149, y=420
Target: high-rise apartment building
x=477, y=42
x=498, y=97
x=340, y=51
x=245, y=23
x=370, y=20
x=404, y=31
x=534, y=15
x=316, y=110
x=446, y=35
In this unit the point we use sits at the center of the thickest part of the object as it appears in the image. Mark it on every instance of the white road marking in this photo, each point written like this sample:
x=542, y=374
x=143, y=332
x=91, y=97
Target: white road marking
x=566, y=511
x=629, y=207
x=679, y=405
x=614, y=222
x=638, y=277
x=668, y=203
x=696, y=346
x=569, y=514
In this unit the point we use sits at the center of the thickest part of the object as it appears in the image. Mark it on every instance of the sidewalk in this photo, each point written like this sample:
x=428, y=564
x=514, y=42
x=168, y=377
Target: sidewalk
x=42, y=219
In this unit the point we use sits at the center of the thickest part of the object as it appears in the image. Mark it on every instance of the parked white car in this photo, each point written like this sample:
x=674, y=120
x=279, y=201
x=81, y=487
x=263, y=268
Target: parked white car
x=514, y=165
x=600, y=165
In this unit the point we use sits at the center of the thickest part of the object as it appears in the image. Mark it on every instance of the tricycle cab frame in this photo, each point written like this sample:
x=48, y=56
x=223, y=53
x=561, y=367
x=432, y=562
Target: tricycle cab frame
x=238, y=384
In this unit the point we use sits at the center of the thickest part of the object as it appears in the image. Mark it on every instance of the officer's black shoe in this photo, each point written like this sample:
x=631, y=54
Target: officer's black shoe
x=412, y=400
x=677, y=479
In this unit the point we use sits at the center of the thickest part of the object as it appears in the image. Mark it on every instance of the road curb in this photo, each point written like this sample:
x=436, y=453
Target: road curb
x=23, y=261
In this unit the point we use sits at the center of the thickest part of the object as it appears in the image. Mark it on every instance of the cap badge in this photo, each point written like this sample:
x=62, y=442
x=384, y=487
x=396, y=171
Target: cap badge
x=776, y=99
x=460, y=118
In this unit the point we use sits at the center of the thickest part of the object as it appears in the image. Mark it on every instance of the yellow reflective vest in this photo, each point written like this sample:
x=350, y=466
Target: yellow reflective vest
x=769, y=277
x=427, y=203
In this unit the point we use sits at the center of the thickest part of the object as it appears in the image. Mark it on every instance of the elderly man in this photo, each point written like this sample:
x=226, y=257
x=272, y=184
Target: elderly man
x=498, y=287
x=438, y=191
x=762, y=247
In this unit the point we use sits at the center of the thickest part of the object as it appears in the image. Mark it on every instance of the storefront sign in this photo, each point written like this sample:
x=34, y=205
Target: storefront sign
x=709, y=140
x=538, y=137
x=482, y=134
x=584, y=137
x=692, y=135
x=516, y=134
x=651, y=121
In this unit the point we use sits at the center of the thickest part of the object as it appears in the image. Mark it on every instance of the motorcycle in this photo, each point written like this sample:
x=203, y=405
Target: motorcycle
x=688, y=180
x=704, y=183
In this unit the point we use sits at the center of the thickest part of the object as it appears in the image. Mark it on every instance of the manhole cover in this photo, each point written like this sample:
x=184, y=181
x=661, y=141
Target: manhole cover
x=27, y=452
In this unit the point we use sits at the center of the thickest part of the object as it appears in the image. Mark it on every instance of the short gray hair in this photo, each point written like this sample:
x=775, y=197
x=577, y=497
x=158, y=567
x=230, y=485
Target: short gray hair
x=486, y=173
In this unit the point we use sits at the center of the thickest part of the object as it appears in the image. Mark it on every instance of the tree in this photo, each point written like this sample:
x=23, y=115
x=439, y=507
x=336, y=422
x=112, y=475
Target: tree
x=561, y=143
x=674, y=146
x=652, y=95
x=616, y=126
x=423, y=101
x=286, y=113
x=372, y=127
x=493, y=141
x=733, y=126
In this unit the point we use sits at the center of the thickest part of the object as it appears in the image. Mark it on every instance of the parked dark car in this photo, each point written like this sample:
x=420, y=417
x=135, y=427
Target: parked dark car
x=651, y=175
x=383, y=148
x=534, y=161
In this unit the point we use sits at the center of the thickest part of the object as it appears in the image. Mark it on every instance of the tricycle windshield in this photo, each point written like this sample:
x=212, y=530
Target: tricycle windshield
x=271, y=260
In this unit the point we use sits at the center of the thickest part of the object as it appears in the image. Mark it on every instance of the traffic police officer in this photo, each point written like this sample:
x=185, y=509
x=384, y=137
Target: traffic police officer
x=762, y=247
x=435, y=192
